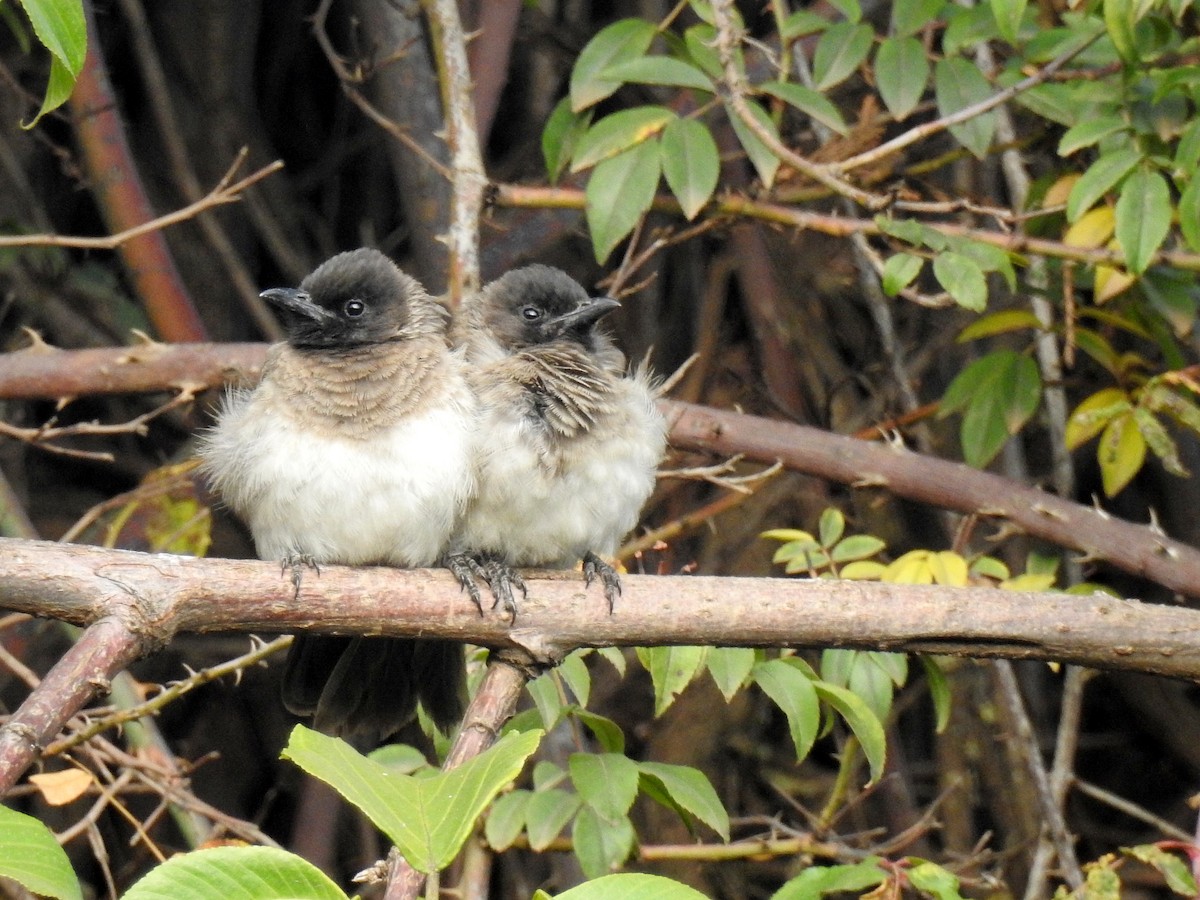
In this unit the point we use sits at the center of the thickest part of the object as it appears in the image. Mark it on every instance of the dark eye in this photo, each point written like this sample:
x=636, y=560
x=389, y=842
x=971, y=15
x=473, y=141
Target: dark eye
x=354, y=308
x=530, y=313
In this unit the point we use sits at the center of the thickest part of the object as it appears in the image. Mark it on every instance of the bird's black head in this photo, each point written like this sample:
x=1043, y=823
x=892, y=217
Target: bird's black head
x=538, y=305
x=355, y=298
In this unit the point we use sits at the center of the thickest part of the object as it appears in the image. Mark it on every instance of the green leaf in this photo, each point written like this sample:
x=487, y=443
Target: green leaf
x=962, y=278
x=817, y=881
x=664, y=70
x=1120, y=16
x=939, y=691
x=958, y=85
x=999, y=392
x=933, y=879
x=729, y=668
x=831, y=526
x=31, y=856
x=622, y=40
x=871, y=684
x=901, y=73
x=1089, y=131
x=235, y=873
x=574, y=673
x=1143, y=218
x=561, y=136
x=548, y=699
x=58, y=90
x=1002, y=322
x=1189, y=214
x=617, y=133
x=857, y=546
x=631, y=884
x=866, y=727
x=1121, y=453
x=692, y=791
x=607, y=782
x=1009, y=14
x=1159, y=440
x=671, y=670
x=765, y=162
x=794, y=694
x=1175, y=870
x=802, y=23
x=62, y=29
x=506, y=819
x=851, y=9
x=1187, y=151
x=691, y=164
x=600, y=846
x=606, y=732
x=900, y=270
x=427, y=818
x=620, y=190
x=840, y=51
x=699, y=40
x=911, y=16
x=808, y=101
x=1101, y=177
x=547, y=814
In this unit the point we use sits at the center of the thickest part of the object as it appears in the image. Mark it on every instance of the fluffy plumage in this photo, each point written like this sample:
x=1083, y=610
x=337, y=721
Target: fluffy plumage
x=357, y=448
x=569, y=442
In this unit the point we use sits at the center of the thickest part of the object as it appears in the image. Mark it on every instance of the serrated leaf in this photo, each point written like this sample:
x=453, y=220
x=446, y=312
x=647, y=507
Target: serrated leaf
x=607, y=782
x=959, y=85
x=901, y=74
x=427, y=818
x=939, y=691
x=671, y=670
x=1089, y=131
x=691, y=790
x=622, y=40
x=808, y=101
x=765, y=162
x=794, y=694
x=631, y=884
x=620, y=190
x=899, y=271
x=62, y=29
x=664, y=70
x=600, y=846
x=817, y=881
x=840, y=51
x=1121, y=453
x=30, y=855
x=1008, y=14
x=691, y=164
x=866, y=727
x=857, y=546
x=236, y=873
x=963, y=280
x=547, y=814
x=1143, y=217
x=1092, y=416
x=730, y=667
x=1002, y=322
x=561, y=136
x=617, y=133
x=506, y=819
x=1101, y=177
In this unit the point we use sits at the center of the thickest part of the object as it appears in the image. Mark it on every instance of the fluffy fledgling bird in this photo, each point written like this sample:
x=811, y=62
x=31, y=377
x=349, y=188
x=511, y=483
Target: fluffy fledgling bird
x=569, y=443
x=357, y=448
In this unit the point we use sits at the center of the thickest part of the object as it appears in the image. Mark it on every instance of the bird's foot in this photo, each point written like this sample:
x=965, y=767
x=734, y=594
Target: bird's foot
x=297, y=563
x=466, y=569
x=502, y=578
x=593, y=566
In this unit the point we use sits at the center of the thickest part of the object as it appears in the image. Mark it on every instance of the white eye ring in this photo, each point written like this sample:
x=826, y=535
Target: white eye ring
x=354, y=308
x=531, y=313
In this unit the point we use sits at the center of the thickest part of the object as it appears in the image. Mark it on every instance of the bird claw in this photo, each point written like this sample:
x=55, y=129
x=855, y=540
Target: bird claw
x=593, y=566
x=502, y=578
x=297, y=563
x=466, y=569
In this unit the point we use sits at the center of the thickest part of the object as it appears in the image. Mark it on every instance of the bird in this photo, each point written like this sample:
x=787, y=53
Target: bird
x=570, y=443
x=357, y=447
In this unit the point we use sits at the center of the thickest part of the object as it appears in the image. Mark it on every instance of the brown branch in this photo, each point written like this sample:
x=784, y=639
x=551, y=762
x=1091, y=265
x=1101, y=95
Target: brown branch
x=1133, y=548
x=122, y=199
x=133, y=602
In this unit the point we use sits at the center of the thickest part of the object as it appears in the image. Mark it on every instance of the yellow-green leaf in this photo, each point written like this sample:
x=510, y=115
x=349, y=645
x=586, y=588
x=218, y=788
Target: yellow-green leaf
x=617, y=133
x=1093, y=415
x=1121, y=453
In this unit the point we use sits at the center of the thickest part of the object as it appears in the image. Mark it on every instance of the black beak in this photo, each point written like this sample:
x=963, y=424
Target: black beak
x=297, y=302
x=584, y=315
